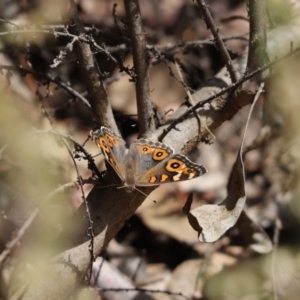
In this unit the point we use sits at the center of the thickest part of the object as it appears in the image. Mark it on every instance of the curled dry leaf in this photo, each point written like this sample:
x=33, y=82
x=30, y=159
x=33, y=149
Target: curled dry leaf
x=211, y=221
x=217, y=219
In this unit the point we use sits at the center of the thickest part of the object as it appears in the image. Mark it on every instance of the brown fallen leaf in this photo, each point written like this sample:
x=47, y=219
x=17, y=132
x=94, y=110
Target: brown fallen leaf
x=211, y=221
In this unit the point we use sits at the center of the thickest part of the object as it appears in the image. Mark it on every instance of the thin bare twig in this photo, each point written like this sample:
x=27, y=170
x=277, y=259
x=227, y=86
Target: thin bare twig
x=224, y=53
x=172, y=74
x=80, y=183
x=88, y=156
x=107, y=50
x=222, y=92
x=90, y=230
x=144, y=104
x=187, y=90
x=114, y=14
x=63, y=53
x=175, y=48
x=233, y=18
x=90, y=72
x=191, y=100
x=82, y=38
x=49, y=78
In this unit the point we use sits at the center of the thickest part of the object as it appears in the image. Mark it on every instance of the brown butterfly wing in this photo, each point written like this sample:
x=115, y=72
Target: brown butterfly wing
x=113, y=148
x=158, y=164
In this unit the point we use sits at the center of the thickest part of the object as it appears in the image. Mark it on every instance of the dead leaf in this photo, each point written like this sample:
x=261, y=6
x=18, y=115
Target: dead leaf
x=211, y=221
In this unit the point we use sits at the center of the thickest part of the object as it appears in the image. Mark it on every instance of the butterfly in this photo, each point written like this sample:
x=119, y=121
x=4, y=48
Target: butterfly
x=145, y=163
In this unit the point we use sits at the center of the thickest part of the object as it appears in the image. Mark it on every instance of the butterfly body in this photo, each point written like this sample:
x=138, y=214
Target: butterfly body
x=129, y=173
x=145, y=163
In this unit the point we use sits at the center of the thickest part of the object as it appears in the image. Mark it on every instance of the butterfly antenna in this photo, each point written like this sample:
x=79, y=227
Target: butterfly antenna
x=105, y=186
x=121, y=187
x=141, y=192
x=124, y=186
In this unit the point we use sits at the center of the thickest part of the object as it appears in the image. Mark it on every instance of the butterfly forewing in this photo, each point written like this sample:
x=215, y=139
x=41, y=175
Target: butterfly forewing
x=113, y=148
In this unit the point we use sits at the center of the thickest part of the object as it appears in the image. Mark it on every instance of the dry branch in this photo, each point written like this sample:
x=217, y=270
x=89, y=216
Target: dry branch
x=141, y=65
x=211, y=25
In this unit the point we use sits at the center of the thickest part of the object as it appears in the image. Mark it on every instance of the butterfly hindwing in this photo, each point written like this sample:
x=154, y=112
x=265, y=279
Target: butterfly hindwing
x=148, y=154
x=158, y=164
x=175, y=168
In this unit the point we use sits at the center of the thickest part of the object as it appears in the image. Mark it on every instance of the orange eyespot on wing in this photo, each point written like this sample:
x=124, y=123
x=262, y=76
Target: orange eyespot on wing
x=189, y=171
x=183, y=169
x=101, y=142
x=111, y=140
x=145, y=149
x=175, y=165
x=158, y=150
x=160, y=154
